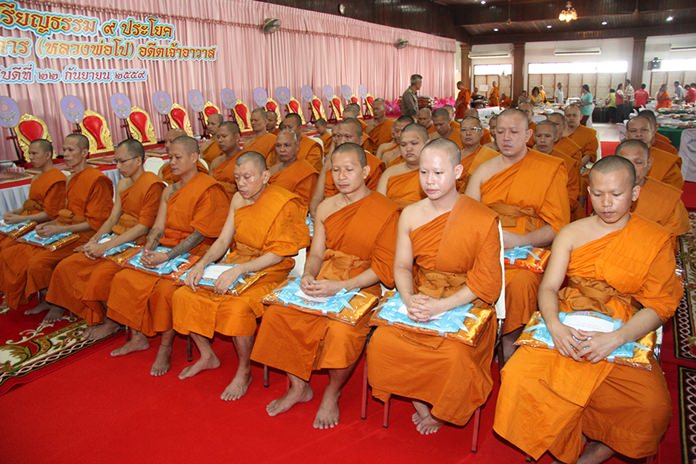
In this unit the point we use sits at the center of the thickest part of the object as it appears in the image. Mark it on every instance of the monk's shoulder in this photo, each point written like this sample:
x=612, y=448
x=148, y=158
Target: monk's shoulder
x=381, y=205
x=664, y=156
x=644, y=231
x=280, y=194
x=660, y=190
x=475, y=210
x=542, y=159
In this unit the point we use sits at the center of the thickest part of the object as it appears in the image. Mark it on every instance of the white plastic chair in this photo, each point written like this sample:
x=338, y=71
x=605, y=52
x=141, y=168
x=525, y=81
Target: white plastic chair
x=153, y=164
x=300, y=260
x=687, y=152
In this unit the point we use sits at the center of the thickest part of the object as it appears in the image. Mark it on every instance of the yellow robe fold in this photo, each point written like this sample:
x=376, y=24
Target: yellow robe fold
x=471, y=162
x=666, y=168
x=586, y=137
x=405, y=188
x=662, y=203
x=300, y=178
x=379, y=134
x=211, y=152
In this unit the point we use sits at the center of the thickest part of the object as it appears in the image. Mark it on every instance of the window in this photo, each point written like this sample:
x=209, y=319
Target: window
x=492, y=69
x=678, y=65
x=579, y=67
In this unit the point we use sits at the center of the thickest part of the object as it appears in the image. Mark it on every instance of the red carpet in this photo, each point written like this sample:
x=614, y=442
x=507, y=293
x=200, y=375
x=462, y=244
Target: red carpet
x=608, y=148
x=689, y=195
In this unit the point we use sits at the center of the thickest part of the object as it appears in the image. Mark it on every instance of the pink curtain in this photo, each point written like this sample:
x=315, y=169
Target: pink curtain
x=310, y=48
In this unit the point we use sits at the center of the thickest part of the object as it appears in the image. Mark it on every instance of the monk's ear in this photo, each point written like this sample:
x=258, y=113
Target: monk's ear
x=458, y=170
x=266, y=176
x=366, y=171
x=635, y=192
x=530, y=133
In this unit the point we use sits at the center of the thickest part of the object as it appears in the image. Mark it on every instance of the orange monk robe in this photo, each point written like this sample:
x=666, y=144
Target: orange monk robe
x=455, y=126
x=376, y=169
x=530, y=141
x=505, y=102
x=379, y=134
x=80, y=284
x=471, y=162
x=458, y=248
x=224, y=174
x=456, y=137
x=486, y=136
x=308, y=150
x=169, y=178
x=431, y=129
x=548, y=401
x=666, y=167
x=398, y=160
x=142, y=301
x=405, y=188
x=211, y=152
x=573, y=186
x=569, y=147
x=28, y=268
x=494, y=97
x=666, y=146
x=264, y=145
x=586, y=137
x=275, y=223
x=300, y=178
x=327, y=140
x=46, y=194
x=363, y=124
x=391, y=152
x=528, y=195
x=462, y=103
x=359, y=236
x=662, y=203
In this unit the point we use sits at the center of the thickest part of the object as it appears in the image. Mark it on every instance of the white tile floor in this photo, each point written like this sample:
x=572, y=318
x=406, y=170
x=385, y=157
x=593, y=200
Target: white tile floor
x=607, y=132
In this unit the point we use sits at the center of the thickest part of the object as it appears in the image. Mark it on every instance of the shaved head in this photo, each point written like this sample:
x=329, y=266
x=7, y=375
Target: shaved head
x=173, y=134
x=405, y=119
x=612, y=164
x=650, y=116
x=257, y=159
x=512, y=112
x=473, y=119
x=81, y=141
x=441, y=113
x=418, y=129
x=261, y=112
x=445, y=146
x=354, y=148
x=189, y=144
x=43, y=145
x=216, y=118
x=294, y=117
x=230, y=126
x=133, y=147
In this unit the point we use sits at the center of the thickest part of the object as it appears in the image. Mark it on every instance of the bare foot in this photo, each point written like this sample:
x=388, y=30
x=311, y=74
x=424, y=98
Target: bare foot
x=97, y=332
x=88, y=331
x=38, y=309
x=237, y=387
x=416, y=418
x=136, y=343
x=328, y=413
x=428, y=425
x=294, y=396
x=595, y=453
x=161, y=364
x=210, y=362
x=54, y=314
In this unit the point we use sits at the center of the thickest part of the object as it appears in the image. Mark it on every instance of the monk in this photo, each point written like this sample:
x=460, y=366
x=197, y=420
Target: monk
x=296, y=175
x=222, y=169
x=165, y=171
x=584, y=136
x=448, y=255
x=389, y=151
x=462, y=102
x=27, y=268
x=565, y=144
x=658, y=201
x=210, y=149
x=81, y=282
x=546, y=136
x=352, y=110
x=272, y=122
x=529, y=191
x=661, y=141
x=324, y=134
x=308, y=149
x=505, y=101
x=494, y=95
x=453, y=122
x=379, y=131
x=618, y=264
x=666, y=167
x=46, y=192
x=400, y=183
x=424, y=117
x=528, y=109
x=441, y=121
x=491, y=130
x=473, y=154
x=346, y=131
x=486, y=136
x=191, y=215
x=352, y=249
x=263, y=141
x=265, y=227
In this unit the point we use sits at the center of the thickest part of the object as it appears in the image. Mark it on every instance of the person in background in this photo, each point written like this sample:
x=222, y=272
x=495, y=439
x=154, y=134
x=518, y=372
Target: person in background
x=494, y=96
x=629, y=98
x=641, y=98
x=691, y=93
x=524, y=97
x=409, y=100
x=663, y=98
x=679, y=92
x=462, y=103
x=535, y=98
x=610, y=101
x=542, y=94
x=620, y=99
x=586, y=104
x=558, y=95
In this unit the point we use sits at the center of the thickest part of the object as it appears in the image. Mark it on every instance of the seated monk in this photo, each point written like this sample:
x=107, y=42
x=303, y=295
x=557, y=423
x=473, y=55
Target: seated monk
x=447, y=255
x=379, y=131
x=81, y=282
x=441, y=120
x=46, y=192
x=292, y=173
x=190, y=217
x=486, y=136
x=400, y=183
x=565, y=144
x=545, y=135
x=324, y=134
x=658, y=201
x=529, y=192
x=389, y=152
x=662, y=142
x=584, y=136
x=452, y=112
x=165, y=171
x=491, y=129
x=210, y=148
x=27, y=269
x=473, y=154
x=494, y=95
x=352, y=110
x=505, y=101
x=666, y=167
x=528, y=109
x=308, y=149
x=346, y=131
x=263, y=141
x=222, y=168
x=620, y=265
x=272, y=122
x=352, y=249
x=424, y=117
x=264, y=229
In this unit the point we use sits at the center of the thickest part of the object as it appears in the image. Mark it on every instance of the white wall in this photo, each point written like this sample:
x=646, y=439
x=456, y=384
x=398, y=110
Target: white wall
x=659, y=47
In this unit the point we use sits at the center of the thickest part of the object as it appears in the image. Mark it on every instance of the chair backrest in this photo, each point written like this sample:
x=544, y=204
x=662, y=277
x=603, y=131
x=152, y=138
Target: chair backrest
x=140, y=126
x=179, y=119
x=294, y=106
x=317, y=108
x=95, y=128
x=28, y=129
x=209, y=109
x=242, y=116
x=300, y=260
x=687, y=152
x=337, y=107
x=153, y=164
x=272, y=105
x=319, y=141
x=204, y=163
x=500, y=304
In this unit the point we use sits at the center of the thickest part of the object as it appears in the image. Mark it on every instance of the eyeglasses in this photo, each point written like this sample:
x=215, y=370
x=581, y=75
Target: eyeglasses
x=118, y=161
x=471, y=129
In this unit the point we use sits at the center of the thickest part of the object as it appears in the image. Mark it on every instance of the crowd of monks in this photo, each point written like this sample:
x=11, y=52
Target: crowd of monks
x=423, y=205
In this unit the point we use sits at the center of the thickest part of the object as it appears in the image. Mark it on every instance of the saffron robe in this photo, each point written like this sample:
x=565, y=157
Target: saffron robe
x=300, y=178
x=169, y=178
x=359, y=236
x=211, y=152
x=528, y=195
x=471, y=162
x=569, y=147
x=486, y=136
x=27, y=268
x=376, y=169
x=548, y=401
x=264, y=145
x=327, y=140
x=573, y=171
x=531, y=141
x=308, y=150
x=666, y=167
x=662, y=203
x=664, y=143
x=379, y=134
x=457, y=248
x=404, y=189
x=80, y=284
x=586, y=137
x=494, y=97
x=275, y=223
x=224, y=174
x=142, y=301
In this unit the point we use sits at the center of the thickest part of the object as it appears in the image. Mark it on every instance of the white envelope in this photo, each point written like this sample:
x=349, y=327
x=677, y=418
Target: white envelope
x=588, y=323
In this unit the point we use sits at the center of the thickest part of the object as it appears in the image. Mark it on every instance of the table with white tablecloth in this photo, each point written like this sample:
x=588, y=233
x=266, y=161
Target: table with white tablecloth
x=12, y=198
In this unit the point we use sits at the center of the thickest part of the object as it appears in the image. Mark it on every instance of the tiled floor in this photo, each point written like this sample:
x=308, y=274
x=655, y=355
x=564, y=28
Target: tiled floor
x=607, y=132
